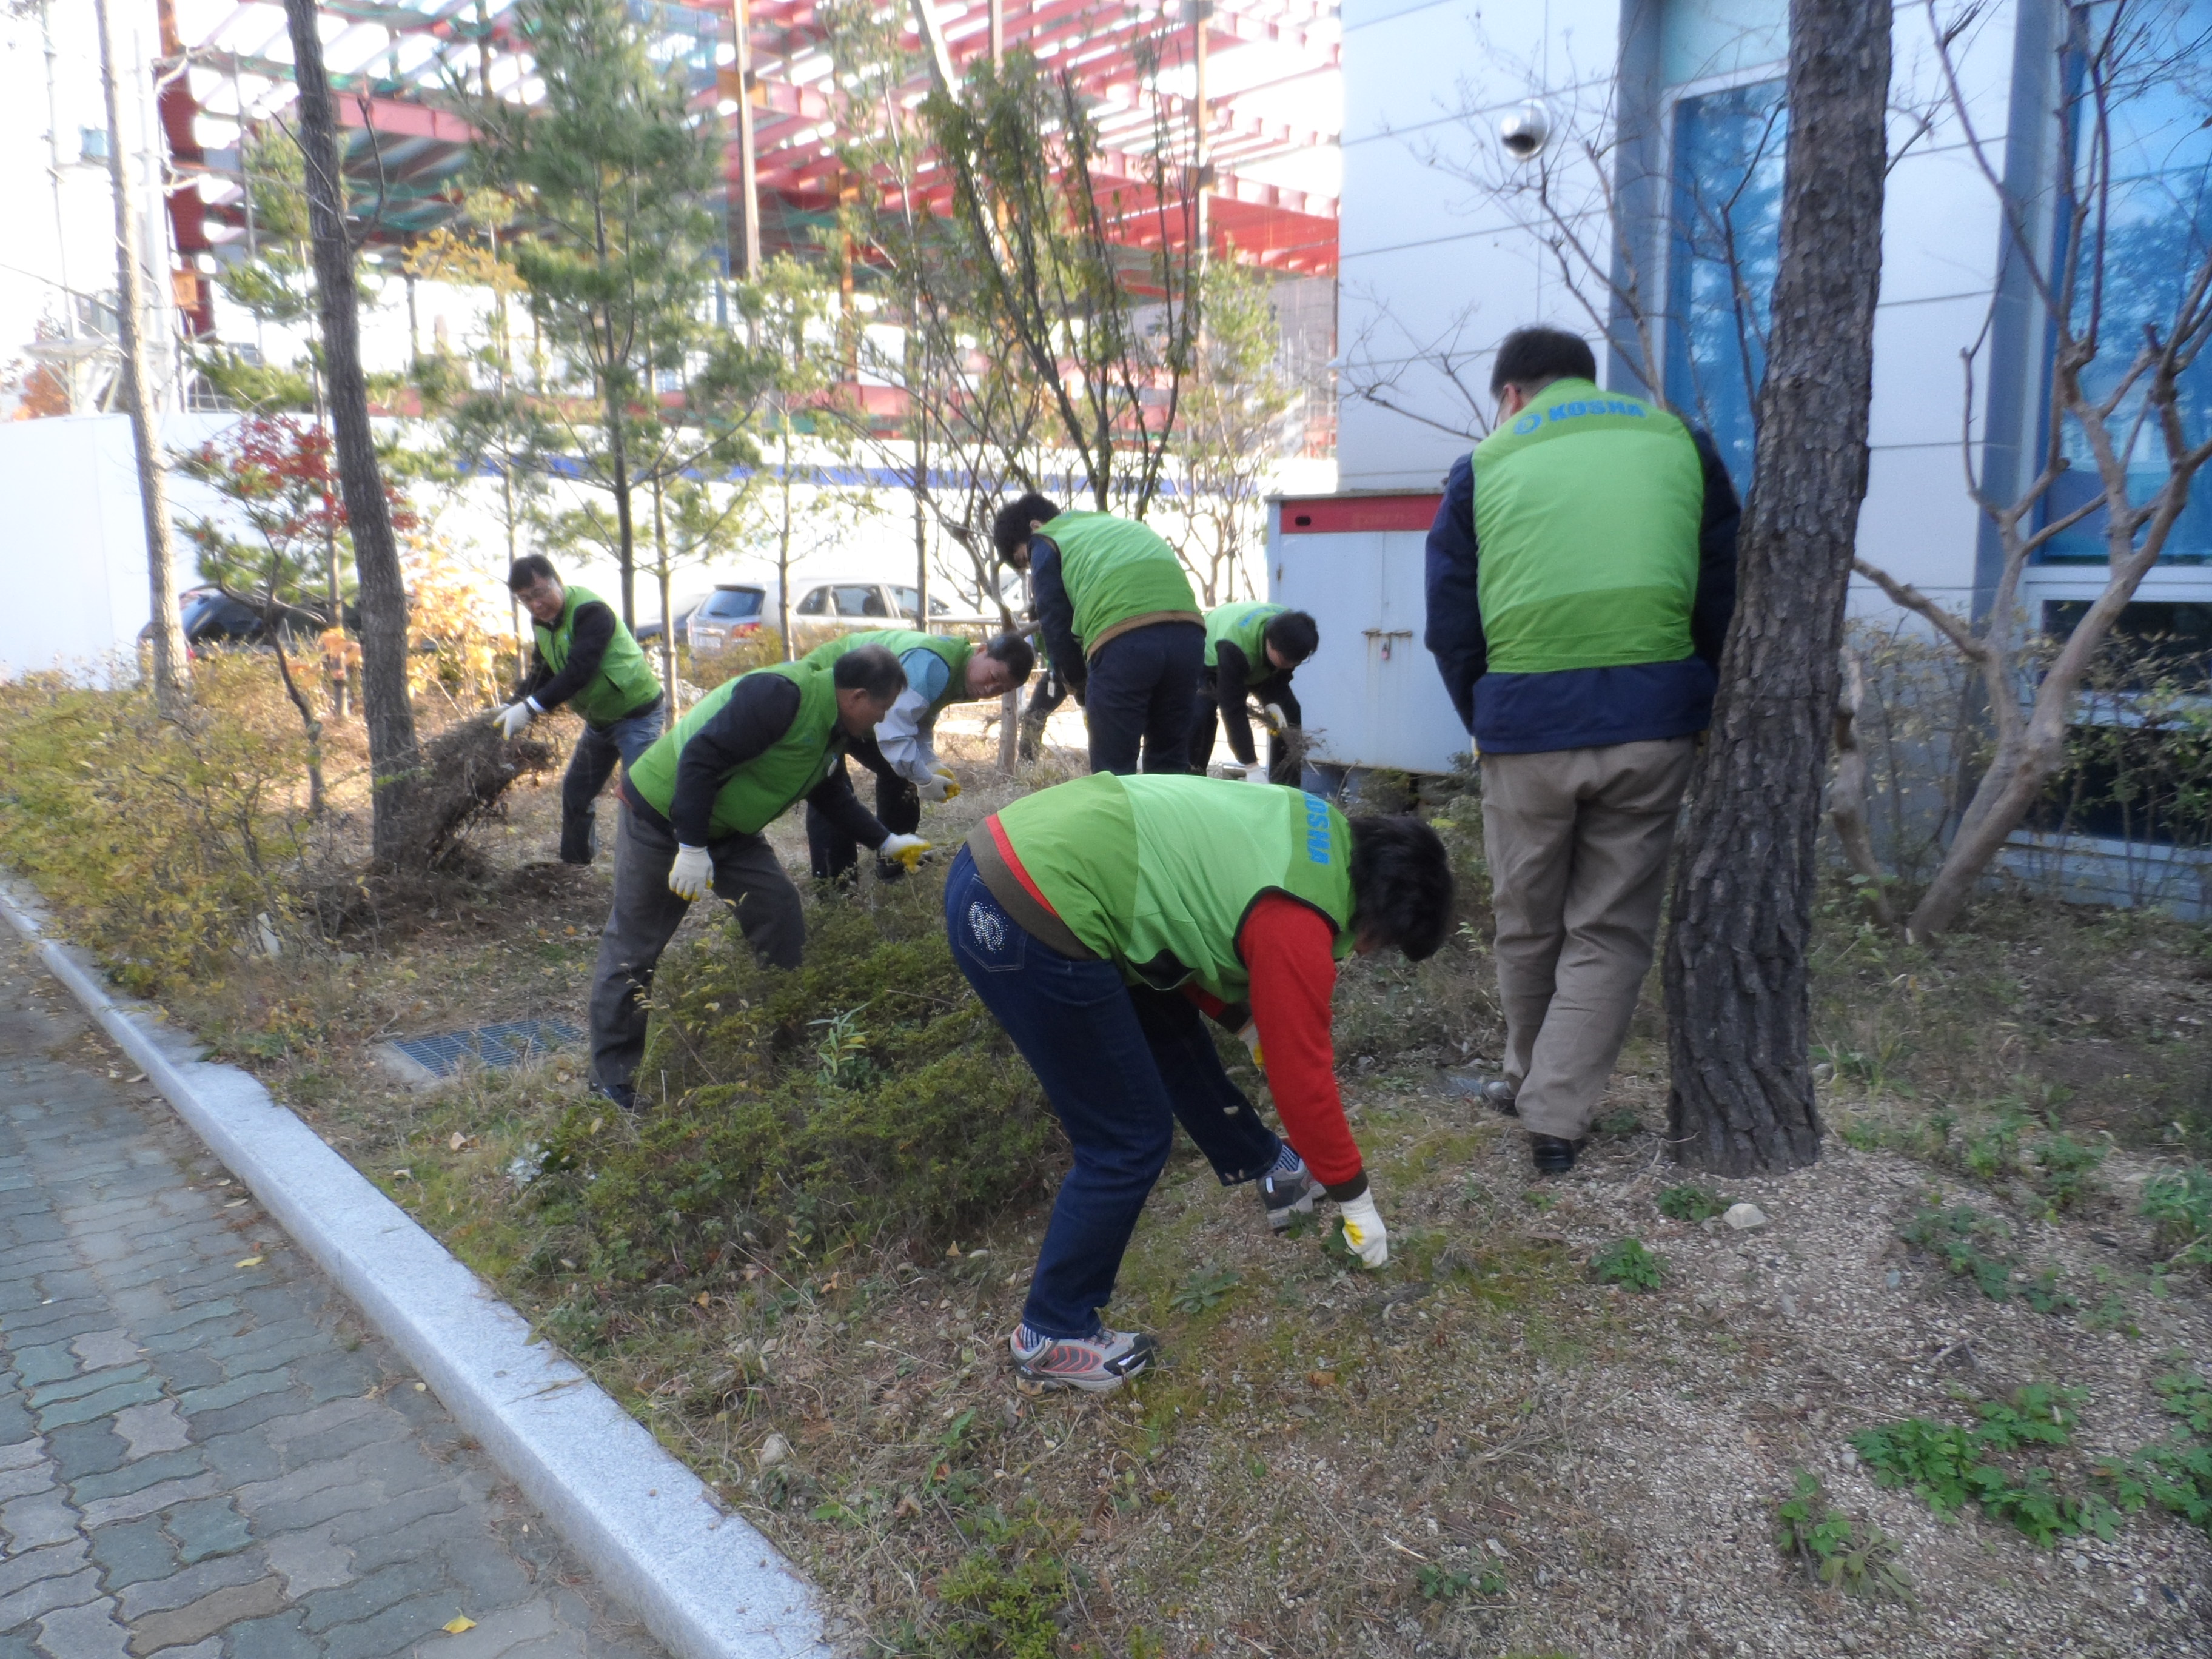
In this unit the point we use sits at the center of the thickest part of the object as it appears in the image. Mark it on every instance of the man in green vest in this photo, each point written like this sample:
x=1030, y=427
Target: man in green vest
x=1097, y=920
x=1251, y=650
x=940, y=671
x=1581, y=577
x=1117, y=615
x=693, y=808
x=585, y=659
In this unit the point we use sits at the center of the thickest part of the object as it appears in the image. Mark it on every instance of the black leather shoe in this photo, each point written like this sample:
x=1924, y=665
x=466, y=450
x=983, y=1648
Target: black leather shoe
x=1553, y=1156
x=623, y=1095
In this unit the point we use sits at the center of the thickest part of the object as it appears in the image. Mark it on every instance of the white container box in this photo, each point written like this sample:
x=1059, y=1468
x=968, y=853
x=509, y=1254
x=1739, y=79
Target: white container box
x=1371, y=695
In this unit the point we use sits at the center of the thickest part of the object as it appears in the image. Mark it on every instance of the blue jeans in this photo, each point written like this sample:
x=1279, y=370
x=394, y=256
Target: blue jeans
x=1122, y=1065
x=1140, y=692
x=598, y=749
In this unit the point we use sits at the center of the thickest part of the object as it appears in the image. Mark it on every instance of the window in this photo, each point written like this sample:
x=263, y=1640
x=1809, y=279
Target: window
x=816, y=604
x=908, y=601
x=861, y=602
x=2156, y=229
x=2155, y=642
x=1724, y=250
x=727, y=604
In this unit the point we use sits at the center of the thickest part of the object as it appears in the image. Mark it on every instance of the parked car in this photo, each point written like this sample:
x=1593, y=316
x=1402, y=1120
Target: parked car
x=212, y=618
x=647, y=632
x=850, y=604
x=733, y=611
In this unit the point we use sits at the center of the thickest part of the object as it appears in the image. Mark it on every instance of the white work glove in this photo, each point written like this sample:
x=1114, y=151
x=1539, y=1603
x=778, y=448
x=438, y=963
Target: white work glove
x=1364, y=1231
x=1256, y=772
x=692, y=874
x=906, y=849
x=1278, y=721
x=940, y=789
x=512, y=718
x=1249, y=1035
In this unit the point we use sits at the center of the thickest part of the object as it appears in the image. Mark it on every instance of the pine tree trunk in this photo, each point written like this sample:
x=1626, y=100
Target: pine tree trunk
x=172, y=670
x=1737, y=999
x=390, y=718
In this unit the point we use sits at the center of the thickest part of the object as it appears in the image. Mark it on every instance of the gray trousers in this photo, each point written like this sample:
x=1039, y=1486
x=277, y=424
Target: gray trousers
x=645, y=916
x=1577, y=840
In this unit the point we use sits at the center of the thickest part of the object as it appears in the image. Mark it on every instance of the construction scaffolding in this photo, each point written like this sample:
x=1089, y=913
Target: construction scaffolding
x=1189, y=91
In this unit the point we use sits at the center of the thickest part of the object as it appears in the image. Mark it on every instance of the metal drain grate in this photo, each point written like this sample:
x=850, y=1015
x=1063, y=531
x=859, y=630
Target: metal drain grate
x=494, y=1046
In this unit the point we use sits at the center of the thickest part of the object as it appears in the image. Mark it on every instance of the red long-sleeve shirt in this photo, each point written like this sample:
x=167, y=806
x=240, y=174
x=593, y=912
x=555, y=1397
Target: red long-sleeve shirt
x=1288, y=949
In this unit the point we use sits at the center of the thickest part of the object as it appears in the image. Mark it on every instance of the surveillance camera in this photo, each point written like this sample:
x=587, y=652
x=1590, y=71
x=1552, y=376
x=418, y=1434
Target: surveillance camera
x=1524, y=130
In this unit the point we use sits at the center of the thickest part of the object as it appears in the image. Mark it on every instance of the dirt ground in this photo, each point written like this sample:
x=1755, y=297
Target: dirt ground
x=1479, y=1450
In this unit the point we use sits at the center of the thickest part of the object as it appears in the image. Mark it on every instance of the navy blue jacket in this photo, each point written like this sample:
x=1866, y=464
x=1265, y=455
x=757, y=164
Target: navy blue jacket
x=1578, y=708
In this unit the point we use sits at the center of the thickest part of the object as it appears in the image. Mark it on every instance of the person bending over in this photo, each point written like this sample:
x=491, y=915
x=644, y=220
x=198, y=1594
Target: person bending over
x=1251, y=651
x=1097, y=920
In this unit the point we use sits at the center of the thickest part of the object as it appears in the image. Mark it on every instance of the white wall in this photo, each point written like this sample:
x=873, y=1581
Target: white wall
x=73, y=553
x=1429, y=260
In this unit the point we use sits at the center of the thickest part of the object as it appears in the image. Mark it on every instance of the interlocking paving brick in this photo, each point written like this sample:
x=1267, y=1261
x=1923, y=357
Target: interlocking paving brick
x=182, y=1627
x=202, y=1462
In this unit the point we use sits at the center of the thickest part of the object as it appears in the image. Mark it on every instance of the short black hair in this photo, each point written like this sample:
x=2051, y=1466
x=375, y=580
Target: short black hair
x=1016, y=653
x=1529, y=356
x=1296, y=633
x=871, y=669
x=529, y=570
x=1009, y=528
x=1401, y=885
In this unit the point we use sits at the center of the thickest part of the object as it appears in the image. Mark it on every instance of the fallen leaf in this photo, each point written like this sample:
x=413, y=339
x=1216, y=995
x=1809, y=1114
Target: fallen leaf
x=702, y=1298
x=250, y=1262
x=1322, y=1379
x=458, y=1141
x=459, y=1622
x=596, y=1123
x=906, y=1507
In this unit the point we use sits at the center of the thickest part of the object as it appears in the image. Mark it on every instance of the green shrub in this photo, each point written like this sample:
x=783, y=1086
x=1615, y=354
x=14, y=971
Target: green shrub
x=1839, y=1552
x=2174, y=1473
x=2066, y=1170
x=1626, y=1262
x=1957, y=1235
x=1692, y=1204
x=2180, y=1204
x=867, y=1092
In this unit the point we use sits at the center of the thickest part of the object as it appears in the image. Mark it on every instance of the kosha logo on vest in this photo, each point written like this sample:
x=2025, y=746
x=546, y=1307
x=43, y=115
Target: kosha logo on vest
x=1316, y=829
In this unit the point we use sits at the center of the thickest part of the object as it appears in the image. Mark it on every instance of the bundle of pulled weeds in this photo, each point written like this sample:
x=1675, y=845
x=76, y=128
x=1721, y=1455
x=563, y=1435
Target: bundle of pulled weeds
x=867, y=1099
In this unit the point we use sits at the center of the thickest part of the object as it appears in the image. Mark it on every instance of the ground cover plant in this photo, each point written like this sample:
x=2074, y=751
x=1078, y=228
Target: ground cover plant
x=799, y=1265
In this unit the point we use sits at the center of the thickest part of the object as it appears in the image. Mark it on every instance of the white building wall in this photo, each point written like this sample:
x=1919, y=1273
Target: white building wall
x=1431, y=265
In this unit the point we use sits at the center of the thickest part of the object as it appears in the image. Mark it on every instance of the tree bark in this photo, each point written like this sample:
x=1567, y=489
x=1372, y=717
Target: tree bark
x=392, y=754
x=1737, y=999
x=173, y=671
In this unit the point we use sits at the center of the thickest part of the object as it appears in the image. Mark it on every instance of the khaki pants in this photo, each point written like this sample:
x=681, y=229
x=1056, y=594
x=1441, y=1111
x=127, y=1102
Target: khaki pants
x=1578, y=842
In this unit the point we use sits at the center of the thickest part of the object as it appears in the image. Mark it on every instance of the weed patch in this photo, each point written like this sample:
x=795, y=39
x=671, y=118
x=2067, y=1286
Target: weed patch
x=1948, y=1466
x=1691, y=1203
x=1627, y=1263
x=1972, y=1245
x=2179, y=1204
x=1838, y=1551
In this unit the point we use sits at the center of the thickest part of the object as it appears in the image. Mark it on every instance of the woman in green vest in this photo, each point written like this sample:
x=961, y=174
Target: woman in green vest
x=940, y=671
x=693, y=807
x=585, y=659
x=1097, y=920
x=1117, y=612
x=1251, y=650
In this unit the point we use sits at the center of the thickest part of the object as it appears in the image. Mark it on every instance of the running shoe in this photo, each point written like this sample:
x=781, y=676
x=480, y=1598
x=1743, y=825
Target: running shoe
x=1096, y=1364
x=1494, y=1092
x=1283, y=1198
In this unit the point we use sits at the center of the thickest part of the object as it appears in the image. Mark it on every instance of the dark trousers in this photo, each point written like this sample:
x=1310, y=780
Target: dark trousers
x=645, y=916
x=835, y=854
x=1122, y=1066
x=590, y=766
x=1206, y=717
x=1046, y=695
x=1140, y=692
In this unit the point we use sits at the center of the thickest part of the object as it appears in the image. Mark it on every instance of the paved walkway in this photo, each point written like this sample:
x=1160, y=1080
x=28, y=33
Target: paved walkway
x=203, y=1452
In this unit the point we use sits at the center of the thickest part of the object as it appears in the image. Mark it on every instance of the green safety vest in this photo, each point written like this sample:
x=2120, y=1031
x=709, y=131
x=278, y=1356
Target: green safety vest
x=1117, y=572
x=1245, y=626
x=625, y=682
x=759, y=791
x=1157, y=873
x=1586, y=507
x=900, y=642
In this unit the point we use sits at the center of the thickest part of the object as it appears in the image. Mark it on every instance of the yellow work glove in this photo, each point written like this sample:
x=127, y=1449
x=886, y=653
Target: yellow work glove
x=940, y=789
x=692, y=874
x=1364, y=1231
x=1278, y=721
x=906, y=849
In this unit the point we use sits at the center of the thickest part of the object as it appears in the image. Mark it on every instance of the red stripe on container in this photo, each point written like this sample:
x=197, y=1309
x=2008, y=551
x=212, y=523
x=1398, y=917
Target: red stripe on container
x=1330, y=516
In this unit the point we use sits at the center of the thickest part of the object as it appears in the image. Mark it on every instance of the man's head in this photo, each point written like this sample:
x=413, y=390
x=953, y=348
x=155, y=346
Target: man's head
x=1001, y=666
x=1010, y=530
x=531, y=580
x=1290, y=638
x=1401, y=886
x=868, y=680
x=1530, y=359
